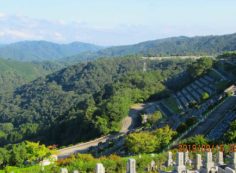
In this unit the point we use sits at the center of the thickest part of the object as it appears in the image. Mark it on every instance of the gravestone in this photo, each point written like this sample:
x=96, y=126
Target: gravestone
x=99, y=168
x=153, y=165
x=180, y=167
x=63, y=170
x=131, y=166
x=220, y=158
x=198, y=161
x=170, y=160
x=186, y=157
x=209, y=162
x=234, y=161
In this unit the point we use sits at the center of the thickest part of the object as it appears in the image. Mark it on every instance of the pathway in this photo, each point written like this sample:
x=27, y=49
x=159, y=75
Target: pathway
x=129, y=123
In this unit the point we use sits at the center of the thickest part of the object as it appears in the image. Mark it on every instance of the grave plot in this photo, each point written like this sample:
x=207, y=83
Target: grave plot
x=184, y=101
x=194, y=86
x=194, y=95
x=198, y=83
x=222, y=127
x=187, y=96
x=208, y=90
x=204, y=81
x=193, y=92
x=208, y=78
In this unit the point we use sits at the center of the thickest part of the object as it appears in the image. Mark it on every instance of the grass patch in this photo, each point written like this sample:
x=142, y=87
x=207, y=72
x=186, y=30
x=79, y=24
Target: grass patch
x=30, y=169
x=172, y=104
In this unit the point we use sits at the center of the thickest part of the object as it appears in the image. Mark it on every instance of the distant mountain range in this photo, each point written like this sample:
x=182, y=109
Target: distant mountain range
x=43, y=50
x=203, y=45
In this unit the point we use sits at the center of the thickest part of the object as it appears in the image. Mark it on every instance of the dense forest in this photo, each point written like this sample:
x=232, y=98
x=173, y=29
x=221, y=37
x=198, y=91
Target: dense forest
x=88, y=97
x=14, y=73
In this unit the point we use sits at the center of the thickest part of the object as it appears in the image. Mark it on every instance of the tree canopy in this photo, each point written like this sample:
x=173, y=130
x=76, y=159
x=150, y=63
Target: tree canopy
x=230, y=135
x=200, y=67
x=148, y=142
x=82, y=101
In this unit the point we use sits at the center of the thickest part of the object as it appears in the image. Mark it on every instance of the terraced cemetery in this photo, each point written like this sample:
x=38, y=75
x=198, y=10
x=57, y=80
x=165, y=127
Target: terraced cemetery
x=193, y=93
x=222, y=125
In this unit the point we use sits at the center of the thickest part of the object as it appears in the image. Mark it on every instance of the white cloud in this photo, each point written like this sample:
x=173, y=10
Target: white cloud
x=59, y=36
x=2, y=15
x=17, y=28
x=2, y=34
x=19, y=34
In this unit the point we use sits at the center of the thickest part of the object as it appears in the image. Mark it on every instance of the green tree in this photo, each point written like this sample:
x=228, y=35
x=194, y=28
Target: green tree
x=102, y=125
x=196, y=140
x=147, y=142
x=205, y=96
x=18, y=155
x=200, y=67
x=4, y=157
x=156, y=116
x=6, y=127
x=230, y=135
x=143, y=142
x=164, y=136
x=153, y=119
x=36, y=152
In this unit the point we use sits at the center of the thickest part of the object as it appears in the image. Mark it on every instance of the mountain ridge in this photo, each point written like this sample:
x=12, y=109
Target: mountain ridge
x=78, y=51
x=43, y=50
x=182, y=45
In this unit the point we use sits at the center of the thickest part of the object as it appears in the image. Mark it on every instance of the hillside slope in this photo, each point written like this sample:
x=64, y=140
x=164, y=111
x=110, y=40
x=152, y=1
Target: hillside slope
x=14, y=73
x=82, y=101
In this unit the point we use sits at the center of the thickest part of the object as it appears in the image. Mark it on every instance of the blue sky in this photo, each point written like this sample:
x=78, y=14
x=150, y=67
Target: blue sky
x=113, y=22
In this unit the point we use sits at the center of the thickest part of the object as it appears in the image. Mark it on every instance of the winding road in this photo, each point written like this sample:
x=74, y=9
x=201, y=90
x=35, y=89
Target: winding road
x=129, y=123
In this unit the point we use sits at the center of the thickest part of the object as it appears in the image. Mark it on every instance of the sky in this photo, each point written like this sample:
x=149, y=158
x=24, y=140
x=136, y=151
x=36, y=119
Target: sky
x=113, y=22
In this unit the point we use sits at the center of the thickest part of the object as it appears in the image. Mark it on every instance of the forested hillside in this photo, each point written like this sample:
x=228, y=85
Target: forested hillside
x=204, y=45
x=43, y=50
x=82, y=101
x=14, y=73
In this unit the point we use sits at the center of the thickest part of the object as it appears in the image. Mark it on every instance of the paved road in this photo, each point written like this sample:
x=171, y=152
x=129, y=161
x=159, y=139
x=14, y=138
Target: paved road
x=129, y=123
x=214, y=118
x=80, y=148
